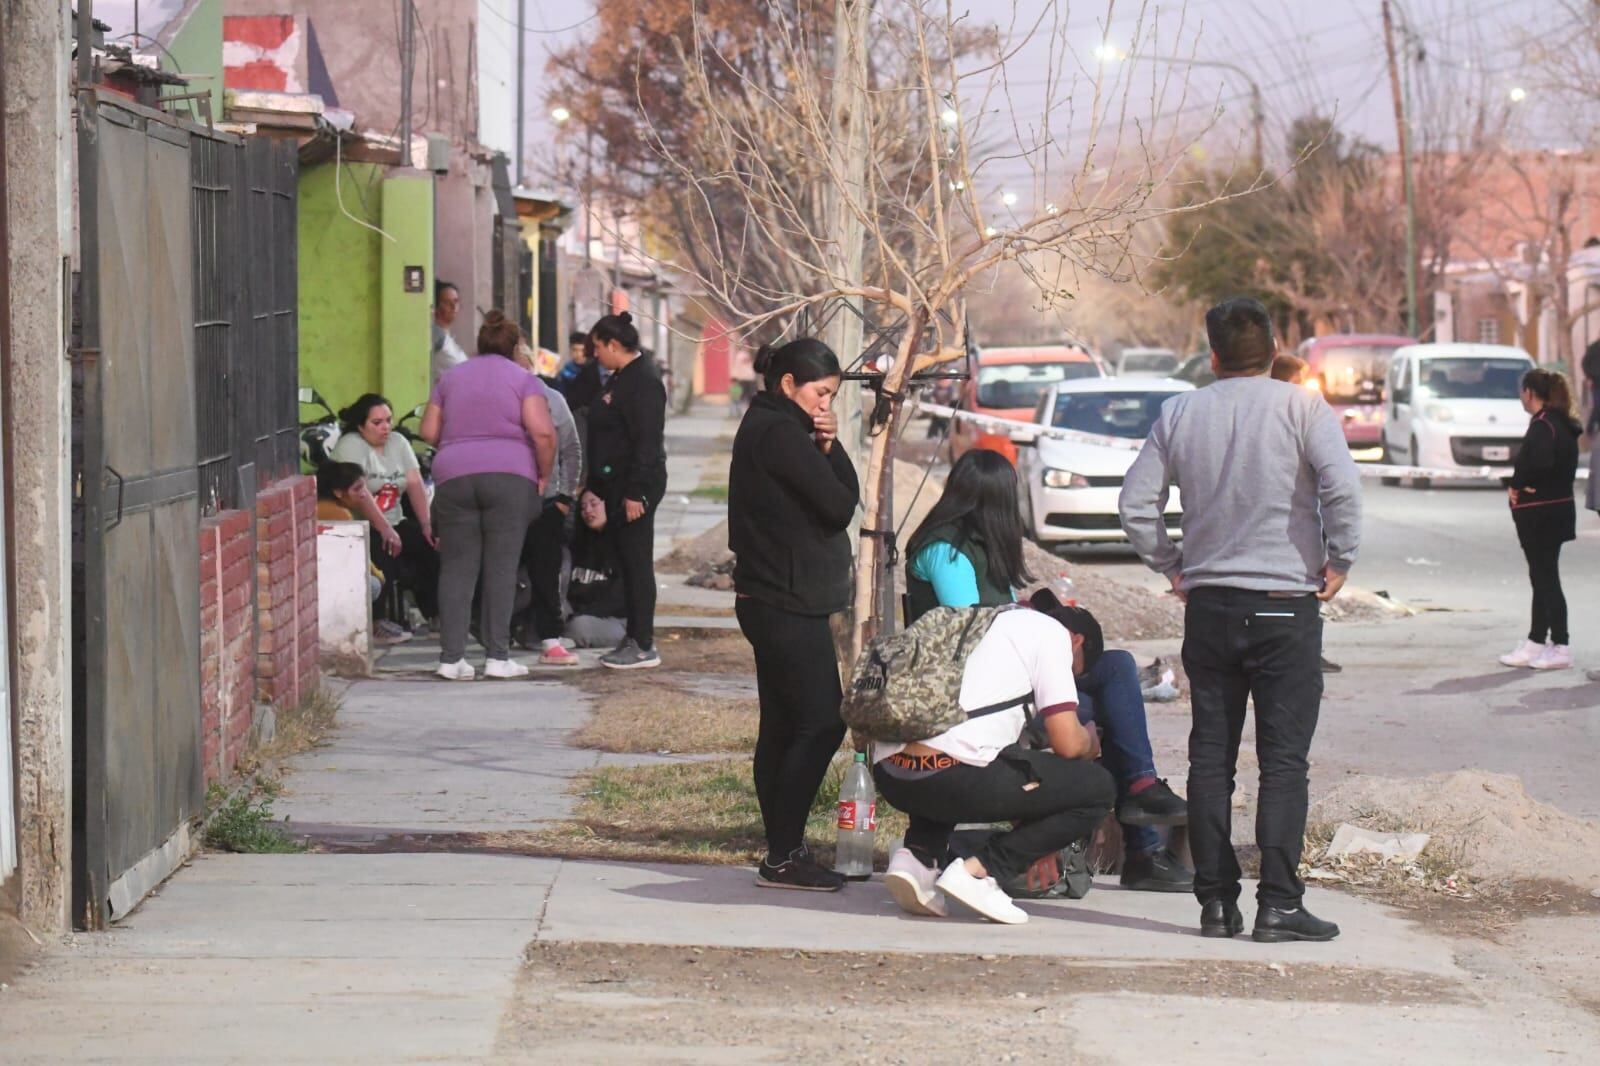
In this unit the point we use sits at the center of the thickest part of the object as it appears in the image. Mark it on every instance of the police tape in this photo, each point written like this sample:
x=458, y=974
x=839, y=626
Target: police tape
x=1028, y=431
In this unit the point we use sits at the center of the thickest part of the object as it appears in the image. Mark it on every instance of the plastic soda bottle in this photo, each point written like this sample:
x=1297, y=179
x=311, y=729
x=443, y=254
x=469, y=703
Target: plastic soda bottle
x=858, y=821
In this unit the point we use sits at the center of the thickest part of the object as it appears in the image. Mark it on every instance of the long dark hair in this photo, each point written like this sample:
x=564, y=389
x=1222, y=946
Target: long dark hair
x=807, y=358
x=1553, y=390
x=980, y=500
x=335, y=477
x=355, y=416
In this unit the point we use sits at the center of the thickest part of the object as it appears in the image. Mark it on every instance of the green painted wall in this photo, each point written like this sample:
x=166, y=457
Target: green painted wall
x=360, y=331
x=197, y=49
x=407, y=332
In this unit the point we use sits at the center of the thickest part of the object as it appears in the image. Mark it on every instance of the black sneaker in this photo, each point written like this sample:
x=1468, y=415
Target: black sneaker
x=1329, y=667
x=1074, y=883
x=1222, y=919
x=798, y=872
x=1275, y=925
x=1156, y=871
x=629, y=656
x=1155, y=805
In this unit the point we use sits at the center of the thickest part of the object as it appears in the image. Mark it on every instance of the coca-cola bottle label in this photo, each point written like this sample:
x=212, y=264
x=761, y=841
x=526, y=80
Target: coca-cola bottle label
x=872, y=815
x=847, y=814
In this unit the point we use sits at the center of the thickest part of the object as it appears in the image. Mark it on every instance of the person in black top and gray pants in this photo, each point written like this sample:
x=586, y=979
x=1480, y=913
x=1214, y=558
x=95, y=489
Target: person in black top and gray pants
x=628, y=473
x=792, y=494
x=1545, y=513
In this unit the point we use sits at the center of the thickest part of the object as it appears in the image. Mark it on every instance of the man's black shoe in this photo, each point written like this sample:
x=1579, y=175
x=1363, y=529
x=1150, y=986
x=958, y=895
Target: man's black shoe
x=1331, y=667
x=798, y=872
x=1155, y=805
x=1274, y=926
x=1156, y=871
x=1221, y=918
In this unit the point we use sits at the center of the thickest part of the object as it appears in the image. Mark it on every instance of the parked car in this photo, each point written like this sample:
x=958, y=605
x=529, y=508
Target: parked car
x=1196, y=370
x=1147, y=363
x=1070, y=487
x=1007, y=383
x=1349, y=370
x=1455, y=406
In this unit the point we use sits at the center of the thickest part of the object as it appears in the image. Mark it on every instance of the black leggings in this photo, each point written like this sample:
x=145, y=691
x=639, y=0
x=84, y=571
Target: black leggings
x=416, y=568
x=633, y=546
x=1549, y=603
x=797, y=679
x=541, y=558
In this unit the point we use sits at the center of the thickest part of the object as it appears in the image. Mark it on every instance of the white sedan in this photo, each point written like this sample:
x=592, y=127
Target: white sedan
x=1070, y=483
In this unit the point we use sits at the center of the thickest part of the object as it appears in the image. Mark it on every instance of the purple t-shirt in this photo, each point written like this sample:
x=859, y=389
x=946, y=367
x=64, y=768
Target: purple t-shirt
x=480, y=403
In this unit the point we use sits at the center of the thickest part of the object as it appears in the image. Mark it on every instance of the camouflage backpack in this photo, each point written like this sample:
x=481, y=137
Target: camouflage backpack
x=907, y=686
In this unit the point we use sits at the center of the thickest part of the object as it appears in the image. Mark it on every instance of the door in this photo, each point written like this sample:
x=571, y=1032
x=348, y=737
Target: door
x=1397, y=426
x=140, y=592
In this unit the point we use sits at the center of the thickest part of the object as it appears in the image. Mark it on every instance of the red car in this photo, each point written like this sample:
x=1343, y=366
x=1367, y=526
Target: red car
x=1349, y=369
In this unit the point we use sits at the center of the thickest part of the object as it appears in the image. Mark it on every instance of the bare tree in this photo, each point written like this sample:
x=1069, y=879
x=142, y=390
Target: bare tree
x=960, y=181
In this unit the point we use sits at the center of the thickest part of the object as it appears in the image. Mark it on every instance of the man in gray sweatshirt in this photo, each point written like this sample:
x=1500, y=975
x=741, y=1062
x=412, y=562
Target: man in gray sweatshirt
x=1271, y=521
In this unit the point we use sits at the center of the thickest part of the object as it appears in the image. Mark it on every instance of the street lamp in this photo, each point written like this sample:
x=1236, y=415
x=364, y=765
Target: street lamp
x=560, y=115
x=1110, y=53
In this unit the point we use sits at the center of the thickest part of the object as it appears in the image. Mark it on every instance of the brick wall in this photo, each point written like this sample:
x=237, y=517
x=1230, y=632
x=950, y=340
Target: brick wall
x=227, y=641
x=286, y=592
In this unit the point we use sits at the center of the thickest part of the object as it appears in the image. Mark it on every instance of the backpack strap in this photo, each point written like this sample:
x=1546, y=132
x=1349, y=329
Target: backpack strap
x=1025, y=702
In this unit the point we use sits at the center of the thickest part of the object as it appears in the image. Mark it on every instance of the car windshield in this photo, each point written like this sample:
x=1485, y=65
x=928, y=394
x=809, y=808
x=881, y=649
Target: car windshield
x=1149, y=363
x=1354, y=374
x=1110, y=414
x=1472, y=379
x=1012, y=385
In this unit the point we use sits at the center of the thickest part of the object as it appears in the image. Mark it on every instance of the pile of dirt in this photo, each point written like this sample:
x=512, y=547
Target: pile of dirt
x=1493, y=828
x=708, y=551
x=1124, y=611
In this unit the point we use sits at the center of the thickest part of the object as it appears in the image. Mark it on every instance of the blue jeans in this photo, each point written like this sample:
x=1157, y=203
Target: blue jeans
x=1109, y=696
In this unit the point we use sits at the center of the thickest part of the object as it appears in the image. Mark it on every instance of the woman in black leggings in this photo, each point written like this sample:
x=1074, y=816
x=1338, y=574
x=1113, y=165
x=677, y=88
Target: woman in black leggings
x=791, y=497
x=1545, y=514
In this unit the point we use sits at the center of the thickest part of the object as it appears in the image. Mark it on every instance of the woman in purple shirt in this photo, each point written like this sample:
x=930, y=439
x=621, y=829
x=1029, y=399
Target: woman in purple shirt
x=497, y=445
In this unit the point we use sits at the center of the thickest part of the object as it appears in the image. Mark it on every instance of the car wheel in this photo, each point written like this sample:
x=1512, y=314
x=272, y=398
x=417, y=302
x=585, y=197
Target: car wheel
x=1387, y=459
x=1418, y=482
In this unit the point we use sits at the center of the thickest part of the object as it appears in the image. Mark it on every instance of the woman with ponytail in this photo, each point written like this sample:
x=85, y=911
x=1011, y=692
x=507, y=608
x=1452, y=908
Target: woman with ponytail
x=628, y=476
x=1545, y=514
x=792, y=494
x=497, y=446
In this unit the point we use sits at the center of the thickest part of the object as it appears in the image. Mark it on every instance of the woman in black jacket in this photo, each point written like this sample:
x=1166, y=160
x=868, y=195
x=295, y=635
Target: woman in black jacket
x=628, y=474
x=1545, y=514
x=792, y=494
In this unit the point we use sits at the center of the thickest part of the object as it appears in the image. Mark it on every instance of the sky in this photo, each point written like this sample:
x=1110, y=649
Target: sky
x=1306, y=55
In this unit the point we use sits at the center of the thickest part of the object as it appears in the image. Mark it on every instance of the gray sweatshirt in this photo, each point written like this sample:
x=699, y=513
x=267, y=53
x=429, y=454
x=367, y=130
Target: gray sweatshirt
x=564, y=479
x=1270, y=492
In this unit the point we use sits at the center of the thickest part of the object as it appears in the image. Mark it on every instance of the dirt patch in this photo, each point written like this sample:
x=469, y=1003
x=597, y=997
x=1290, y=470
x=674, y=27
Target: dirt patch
x=1124, y=611
x=704, y=651
x=706, y=551
x=18, y=949
x=666, y=719
x=1497, y=833
x=616, y=1002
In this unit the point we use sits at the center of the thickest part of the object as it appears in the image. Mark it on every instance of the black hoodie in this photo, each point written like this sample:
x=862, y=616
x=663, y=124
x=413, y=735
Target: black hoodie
x=1545, y=511
x=789, y=507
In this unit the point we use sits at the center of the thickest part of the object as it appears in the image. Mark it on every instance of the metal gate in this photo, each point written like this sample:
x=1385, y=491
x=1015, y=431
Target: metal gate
x=140, y=591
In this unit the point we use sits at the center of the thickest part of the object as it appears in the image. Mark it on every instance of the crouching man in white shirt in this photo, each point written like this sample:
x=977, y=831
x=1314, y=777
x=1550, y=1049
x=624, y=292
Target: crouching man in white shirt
x=979, y=772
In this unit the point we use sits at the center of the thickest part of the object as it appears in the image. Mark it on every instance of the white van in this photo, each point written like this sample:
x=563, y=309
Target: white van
x=1455, y=406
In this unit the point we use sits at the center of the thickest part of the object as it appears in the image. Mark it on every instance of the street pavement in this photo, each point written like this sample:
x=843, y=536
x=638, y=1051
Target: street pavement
x=363, y=956
x=1425, y=694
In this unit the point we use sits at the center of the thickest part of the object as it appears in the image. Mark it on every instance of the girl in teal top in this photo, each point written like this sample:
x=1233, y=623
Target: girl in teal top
x=968, y=551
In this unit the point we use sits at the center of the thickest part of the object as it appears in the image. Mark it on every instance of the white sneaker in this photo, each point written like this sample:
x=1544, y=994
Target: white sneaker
x=504, y=669
x=1523, y=654
x=981, y=894
x=912, y=885
x=1554, y=657
x=460, y=670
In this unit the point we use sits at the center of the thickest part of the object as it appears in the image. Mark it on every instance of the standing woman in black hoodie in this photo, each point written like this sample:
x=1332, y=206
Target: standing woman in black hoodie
x=628, y=473
x=792, y=494
x=1545, y=514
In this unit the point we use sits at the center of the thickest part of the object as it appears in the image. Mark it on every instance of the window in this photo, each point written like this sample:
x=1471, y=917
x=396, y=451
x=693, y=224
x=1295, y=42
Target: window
x=1488, y=331
x=1110, y=414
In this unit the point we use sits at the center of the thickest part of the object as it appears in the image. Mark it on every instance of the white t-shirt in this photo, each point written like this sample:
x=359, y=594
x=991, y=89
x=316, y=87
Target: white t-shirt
x=1025, y=652
x=386, y=469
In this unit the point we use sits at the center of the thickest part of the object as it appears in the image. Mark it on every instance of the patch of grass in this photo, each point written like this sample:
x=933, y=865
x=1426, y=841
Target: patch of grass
x=1441, y=868
x=243, y=821
x=695, y=812
x=667, y=719
x=299, y=729
x=710, y=492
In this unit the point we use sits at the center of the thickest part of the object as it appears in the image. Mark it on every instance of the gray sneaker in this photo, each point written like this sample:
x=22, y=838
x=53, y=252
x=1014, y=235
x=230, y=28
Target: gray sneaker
x=629, y=656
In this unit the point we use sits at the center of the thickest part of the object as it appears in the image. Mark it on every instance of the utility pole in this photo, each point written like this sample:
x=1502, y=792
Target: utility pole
x=1402, y=123
x=522, y=35
x=408, y=62
x=848, y=118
